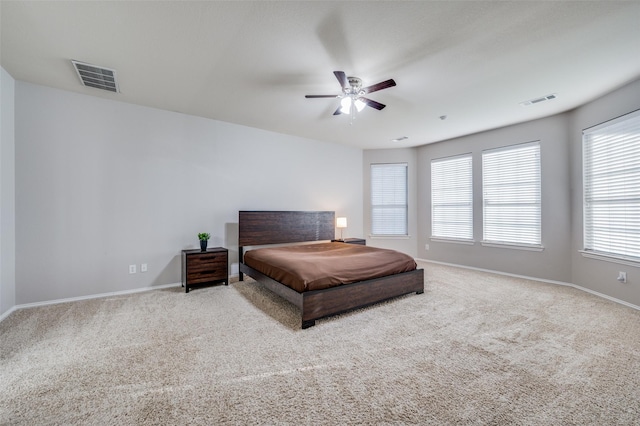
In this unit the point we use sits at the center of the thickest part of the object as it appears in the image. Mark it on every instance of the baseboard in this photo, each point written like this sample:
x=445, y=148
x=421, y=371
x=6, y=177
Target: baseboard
x=235, y=278
x=6, y=314
x=577, y=287
x=91, y=296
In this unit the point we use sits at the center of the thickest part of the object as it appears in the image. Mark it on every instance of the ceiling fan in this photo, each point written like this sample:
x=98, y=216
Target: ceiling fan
x=352, y=96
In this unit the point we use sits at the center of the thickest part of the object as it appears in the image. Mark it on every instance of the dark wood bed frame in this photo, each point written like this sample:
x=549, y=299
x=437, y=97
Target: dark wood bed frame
x=257, y=228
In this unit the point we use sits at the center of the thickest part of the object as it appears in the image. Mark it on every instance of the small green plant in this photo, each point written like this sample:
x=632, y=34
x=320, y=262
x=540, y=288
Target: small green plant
x=203, y=236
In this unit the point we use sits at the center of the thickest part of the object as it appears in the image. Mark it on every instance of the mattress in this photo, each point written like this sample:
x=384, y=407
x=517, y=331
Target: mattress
x=323, y=265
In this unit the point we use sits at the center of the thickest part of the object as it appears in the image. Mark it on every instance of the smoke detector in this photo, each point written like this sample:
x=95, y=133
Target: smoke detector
x=96, y=76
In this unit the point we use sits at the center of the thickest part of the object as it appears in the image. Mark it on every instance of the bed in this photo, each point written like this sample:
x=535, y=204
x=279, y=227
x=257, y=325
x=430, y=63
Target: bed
x=319, y=299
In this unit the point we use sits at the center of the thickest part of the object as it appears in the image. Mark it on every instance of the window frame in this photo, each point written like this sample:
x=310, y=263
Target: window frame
x=404, y=206
x=452, y=167
x=608, y=155
x=535, y=194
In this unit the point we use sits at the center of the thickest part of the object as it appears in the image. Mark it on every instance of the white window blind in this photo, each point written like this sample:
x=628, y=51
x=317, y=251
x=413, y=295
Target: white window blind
x=452, y=198
x=611, y=170
x=389, y=199
x=511, y=195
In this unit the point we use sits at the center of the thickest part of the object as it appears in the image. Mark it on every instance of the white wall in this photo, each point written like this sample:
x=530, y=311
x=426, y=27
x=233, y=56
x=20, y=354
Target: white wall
x=101, y=185
x=409, y=244
x=562, y=234
x=598, y=275
x=7, y=193
x=554, y=262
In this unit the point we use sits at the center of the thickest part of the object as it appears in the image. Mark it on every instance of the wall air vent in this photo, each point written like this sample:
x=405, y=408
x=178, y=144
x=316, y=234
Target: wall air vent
x=95, y=76
x=538, y=100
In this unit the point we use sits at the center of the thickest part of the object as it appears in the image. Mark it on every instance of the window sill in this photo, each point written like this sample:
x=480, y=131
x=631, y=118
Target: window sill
x=389, y=237
x=452, y=240
x=525, y=247
x=609, y=258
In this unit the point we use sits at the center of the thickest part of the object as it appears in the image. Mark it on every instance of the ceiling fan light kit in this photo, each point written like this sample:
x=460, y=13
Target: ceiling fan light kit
x=349, y=102
x=352, y=98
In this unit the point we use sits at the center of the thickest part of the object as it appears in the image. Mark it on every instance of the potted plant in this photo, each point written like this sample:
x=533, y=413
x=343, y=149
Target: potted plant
x=204, y=239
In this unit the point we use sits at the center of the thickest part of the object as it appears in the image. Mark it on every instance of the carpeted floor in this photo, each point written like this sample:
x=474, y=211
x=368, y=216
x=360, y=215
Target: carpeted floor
x=475, y=348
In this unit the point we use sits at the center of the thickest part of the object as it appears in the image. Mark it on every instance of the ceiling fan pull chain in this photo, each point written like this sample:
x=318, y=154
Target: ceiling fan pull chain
x=353, y=113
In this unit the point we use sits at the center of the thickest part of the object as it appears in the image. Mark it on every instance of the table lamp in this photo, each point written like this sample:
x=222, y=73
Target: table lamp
x=341, y=223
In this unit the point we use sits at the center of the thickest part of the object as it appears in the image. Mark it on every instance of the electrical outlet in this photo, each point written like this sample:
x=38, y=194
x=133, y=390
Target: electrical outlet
x=426, y=246
x=132, y=269
x=143, y=267
x=622, y=277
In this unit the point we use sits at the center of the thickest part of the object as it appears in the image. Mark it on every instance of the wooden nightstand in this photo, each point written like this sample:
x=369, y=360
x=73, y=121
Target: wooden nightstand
x=360, y=241
x=204, y=267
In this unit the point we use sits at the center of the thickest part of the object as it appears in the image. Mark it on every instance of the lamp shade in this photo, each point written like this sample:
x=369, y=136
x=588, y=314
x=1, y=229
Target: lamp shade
x=341, y=222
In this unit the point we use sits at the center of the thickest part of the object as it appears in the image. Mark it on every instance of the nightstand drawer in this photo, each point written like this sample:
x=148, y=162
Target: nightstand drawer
x=205, y=261
x=206, y=274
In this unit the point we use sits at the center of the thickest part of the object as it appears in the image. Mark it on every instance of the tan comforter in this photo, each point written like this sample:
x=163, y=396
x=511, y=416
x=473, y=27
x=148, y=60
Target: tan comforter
x=323, y=265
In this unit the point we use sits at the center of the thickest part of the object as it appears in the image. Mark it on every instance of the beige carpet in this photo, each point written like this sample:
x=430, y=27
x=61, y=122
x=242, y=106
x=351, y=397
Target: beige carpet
x=475, y=348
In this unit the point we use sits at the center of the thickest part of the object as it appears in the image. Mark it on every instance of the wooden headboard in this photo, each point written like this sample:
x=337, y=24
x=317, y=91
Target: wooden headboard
x=275, y=227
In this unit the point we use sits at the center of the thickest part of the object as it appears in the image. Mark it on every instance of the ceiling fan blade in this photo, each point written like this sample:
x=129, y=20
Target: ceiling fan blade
x=320, y=96
x=372, y=103
x=380, y=86
x=342, y=79
x=338, y=111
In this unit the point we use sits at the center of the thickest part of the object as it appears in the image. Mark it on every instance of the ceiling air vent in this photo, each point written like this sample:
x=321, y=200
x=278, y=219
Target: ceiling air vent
x=538, y=100
x=401, y=138
x=95, y=76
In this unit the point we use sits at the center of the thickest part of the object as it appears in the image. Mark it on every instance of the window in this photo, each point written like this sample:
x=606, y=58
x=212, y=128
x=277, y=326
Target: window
x=389, y=199
x=611, y=170
x=511, y=195
x=452, y=198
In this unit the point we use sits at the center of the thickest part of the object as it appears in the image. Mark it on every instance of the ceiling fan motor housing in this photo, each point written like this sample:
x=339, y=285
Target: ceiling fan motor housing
x=356, y=85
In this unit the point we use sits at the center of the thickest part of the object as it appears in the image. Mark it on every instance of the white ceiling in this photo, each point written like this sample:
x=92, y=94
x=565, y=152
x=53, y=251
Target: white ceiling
x=251, y=63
